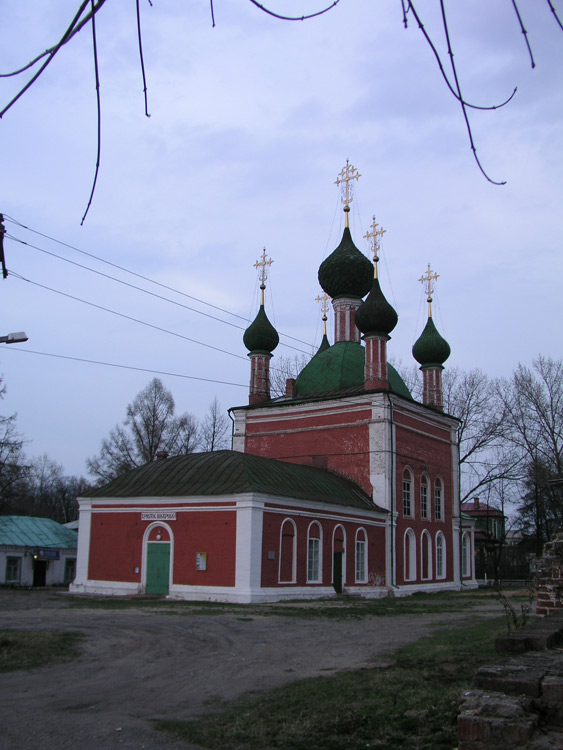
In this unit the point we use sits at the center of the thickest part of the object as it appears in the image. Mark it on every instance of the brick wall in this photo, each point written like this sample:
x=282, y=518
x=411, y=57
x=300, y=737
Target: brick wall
x=548, y=574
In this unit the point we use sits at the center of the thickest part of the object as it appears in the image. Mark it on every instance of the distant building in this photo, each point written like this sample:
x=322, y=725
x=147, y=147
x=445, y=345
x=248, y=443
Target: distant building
x=489, y=521
x=344, y=484
x=36, y=552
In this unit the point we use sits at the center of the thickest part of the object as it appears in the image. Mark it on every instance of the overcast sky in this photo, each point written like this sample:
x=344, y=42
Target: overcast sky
x=251, y=122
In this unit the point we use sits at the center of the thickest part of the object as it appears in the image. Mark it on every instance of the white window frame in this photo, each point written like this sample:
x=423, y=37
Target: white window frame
x=440, y=555
x=438, y=499
x=361, y=556
x=314, y=554
x=424, y=505
x=408, y=499
x=11, y=559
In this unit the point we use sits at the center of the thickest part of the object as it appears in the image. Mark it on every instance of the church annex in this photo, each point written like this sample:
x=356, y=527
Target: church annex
x=344, y=484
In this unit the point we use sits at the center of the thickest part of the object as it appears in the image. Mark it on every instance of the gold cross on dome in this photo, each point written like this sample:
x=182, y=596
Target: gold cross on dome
x=263, y=273
x=374, y=239
x=427, y=279
x=323, y=299
x=344, y=181
x=261, y=264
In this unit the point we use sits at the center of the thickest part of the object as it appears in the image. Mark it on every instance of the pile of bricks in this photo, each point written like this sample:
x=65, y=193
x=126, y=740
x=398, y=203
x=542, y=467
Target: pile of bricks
x=519, y=703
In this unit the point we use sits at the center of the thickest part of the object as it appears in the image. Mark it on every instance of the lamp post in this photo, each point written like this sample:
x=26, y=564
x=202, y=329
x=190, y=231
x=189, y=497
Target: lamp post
x=14, y=338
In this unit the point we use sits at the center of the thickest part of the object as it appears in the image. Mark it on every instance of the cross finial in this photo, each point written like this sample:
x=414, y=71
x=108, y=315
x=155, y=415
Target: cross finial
x=344, y=181
x=323, y=299
x=427, y=279
x=263, y=274
x=374, y=239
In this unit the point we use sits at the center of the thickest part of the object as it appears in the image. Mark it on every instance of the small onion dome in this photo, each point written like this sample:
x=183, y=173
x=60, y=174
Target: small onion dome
x=261, y=336
x=431, y=349
x=375, y=315
x=346, y=272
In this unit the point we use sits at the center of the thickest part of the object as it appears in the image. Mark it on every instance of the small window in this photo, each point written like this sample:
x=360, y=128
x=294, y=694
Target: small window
x=70, y=569
x=438, y=499
x=361, y=557
x=440, y=556
x=13, y=569
x=407, y=493
x=314, y=554
x=424, y=496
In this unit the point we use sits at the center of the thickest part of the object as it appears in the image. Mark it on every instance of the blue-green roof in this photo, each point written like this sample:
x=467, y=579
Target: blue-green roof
x=26, y=531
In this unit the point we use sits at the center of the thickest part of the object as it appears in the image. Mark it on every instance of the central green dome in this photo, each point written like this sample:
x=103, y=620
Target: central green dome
x=346, y=272
x=341, y=368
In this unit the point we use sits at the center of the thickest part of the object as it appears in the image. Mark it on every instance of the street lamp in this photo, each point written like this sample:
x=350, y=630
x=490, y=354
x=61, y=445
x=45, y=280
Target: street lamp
x=14, y=338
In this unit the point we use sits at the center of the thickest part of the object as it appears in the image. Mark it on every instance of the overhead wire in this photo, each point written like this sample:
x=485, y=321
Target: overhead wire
x=133, y=273
x=127, y=367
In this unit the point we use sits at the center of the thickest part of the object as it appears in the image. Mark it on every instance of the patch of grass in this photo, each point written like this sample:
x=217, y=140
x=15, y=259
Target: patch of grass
x=27, y=649
x=411, y=703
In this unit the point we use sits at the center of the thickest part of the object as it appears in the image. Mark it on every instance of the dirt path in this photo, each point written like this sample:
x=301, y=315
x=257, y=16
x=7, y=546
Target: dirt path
x=138, y=664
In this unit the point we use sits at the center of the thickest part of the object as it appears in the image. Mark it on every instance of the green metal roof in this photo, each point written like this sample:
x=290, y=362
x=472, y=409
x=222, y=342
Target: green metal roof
x=230, y=473
x=26, y=531
x=340, y=368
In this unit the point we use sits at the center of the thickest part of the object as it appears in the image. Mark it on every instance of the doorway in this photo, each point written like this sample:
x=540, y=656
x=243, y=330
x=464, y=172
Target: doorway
x=39, y=572
x=158, y=568
x=337, y=572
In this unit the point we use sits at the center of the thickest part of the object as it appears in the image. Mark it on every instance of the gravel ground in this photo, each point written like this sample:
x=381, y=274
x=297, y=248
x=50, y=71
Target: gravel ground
x=139, y=664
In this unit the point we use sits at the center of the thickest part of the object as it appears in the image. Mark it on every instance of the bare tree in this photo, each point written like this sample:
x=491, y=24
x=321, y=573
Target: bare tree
x=150, y=426
x=284, y=368
x=533, y=403
x=214, y=429
x=13, y=468
x=486, y=457
x=87, y=10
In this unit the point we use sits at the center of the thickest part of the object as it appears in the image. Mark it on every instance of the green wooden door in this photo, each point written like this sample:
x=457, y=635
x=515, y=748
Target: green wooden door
x=158, y=568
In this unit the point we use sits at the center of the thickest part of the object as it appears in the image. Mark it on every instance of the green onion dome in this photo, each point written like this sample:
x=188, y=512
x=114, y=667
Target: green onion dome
x=431, y=349
x=261, y=336
x=346, y=272
x=375, y=315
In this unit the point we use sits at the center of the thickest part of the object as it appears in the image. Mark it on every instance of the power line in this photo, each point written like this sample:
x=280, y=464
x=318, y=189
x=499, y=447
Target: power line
x=138, y=275
x=127, y=317
x=16, y=275
x=126, y=367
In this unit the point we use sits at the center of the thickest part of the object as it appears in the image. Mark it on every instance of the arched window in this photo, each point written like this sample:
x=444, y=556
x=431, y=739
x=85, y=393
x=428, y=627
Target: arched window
x=426, y=555
x=314, y=554
x=465, y=555
x=288, y=545
x=438, y=499
x=361, y=556
x=440, y=555
x=409, y=555
x=424, y=496
x=407, y=493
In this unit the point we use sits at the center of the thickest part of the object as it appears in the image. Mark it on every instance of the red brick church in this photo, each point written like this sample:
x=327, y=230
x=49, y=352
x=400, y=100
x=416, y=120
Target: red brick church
x=344, y=484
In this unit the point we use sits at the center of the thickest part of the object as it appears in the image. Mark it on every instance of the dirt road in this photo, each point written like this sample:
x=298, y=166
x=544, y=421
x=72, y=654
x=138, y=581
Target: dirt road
x=139, y=664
